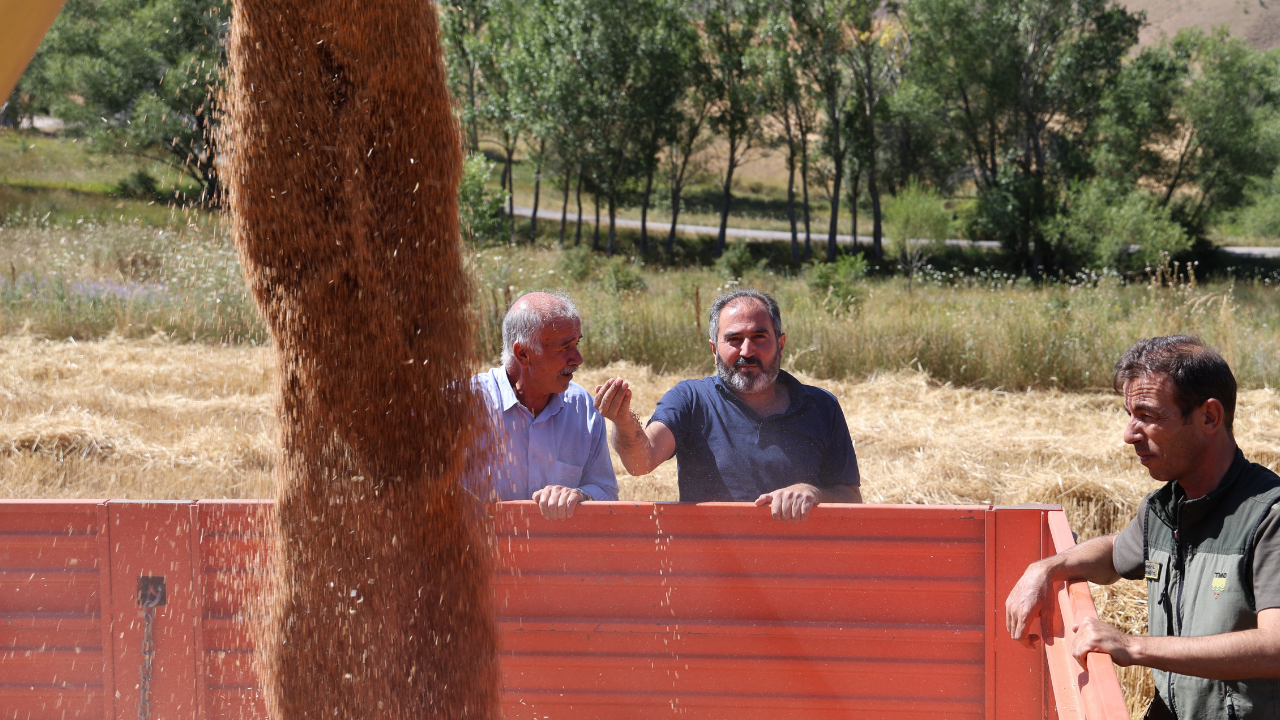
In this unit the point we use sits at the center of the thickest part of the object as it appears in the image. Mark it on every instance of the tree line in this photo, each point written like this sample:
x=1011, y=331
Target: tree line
x=1072, y=143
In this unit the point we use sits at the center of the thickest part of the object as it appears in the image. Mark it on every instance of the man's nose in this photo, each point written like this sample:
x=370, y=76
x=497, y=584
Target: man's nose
x=748, y=349
x=575, y=357
x=1131, y=434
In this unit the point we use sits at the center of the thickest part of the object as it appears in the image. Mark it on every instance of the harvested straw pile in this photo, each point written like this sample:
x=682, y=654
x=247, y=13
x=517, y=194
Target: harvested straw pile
x=341, y=175
x=192, y=421
x=134, y=419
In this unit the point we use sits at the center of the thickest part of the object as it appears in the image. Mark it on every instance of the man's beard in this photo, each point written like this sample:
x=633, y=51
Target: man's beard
x=749, y=385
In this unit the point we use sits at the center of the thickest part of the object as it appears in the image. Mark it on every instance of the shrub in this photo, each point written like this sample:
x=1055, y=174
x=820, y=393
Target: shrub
x=622, y=276
x=138, y=185
x=1261, y=217
x=1103, y=225
x=479, y=208
x=916, y=220
x=838, y=284
x=578, y=264
x=737, y=260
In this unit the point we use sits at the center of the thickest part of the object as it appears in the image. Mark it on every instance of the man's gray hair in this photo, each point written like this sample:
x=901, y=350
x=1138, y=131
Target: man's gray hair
x=764, y=298
x=523, y=322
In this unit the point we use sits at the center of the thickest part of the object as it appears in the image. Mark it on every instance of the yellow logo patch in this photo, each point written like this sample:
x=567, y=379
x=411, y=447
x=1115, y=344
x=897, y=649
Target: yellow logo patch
x=1219, y=584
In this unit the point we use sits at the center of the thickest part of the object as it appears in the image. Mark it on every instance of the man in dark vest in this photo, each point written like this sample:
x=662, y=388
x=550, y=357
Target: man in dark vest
x=1206, y=542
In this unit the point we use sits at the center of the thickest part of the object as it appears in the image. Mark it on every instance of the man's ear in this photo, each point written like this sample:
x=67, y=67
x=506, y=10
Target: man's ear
x=782, y=340
x=1214, y=415
x=712, y=343
x=520, y=353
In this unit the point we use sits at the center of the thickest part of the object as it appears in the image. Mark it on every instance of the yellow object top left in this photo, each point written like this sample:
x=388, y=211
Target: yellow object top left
x=24, y=25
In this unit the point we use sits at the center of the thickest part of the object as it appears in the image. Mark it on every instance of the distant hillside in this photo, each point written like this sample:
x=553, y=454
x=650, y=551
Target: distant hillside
x=1258, y=21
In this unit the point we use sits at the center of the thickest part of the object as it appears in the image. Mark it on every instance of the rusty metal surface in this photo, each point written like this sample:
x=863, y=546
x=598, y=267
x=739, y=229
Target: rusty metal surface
x=628, y=610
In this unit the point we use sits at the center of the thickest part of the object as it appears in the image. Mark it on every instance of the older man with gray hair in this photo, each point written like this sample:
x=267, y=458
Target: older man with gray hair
x=553, y=446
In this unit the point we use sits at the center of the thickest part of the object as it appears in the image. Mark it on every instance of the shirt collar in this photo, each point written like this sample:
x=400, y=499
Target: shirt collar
x=796, y=394
x=509, y=399
x=505, y=391
x=1170, y=500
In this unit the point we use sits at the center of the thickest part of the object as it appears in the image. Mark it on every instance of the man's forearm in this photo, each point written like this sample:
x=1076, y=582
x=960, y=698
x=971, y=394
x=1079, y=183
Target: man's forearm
x=1230, y=656
x=1089, y=560
x=633, y=446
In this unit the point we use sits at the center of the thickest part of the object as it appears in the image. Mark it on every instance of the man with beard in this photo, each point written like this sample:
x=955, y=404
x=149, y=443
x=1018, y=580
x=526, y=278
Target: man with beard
x=751, y=432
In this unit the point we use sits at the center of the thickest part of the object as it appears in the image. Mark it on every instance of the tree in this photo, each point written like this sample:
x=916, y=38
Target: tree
x=462, y=23
x=661, y=106
x=561, y=115
x=531, y=69
x=917, y=141
x=805, y=113
x=876, y=55
x=1226, y=117
x=685, y=143
x=1022, y=81
x=138, y=78
x=821, y=30
x=629, y=55
x=730, y=33
x=783, y=89
x=500, y=108
x=1192, y=117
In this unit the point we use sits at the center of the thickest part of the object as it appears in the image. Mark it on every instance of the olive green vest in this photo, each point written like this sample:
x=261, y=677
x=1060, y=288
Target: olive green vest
x=1199, y=571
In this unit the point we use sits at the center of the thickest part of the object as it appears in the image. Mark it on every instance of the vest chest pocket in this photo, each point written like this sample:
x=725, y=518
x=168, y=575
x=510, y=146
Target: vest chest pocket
x=1214, y=597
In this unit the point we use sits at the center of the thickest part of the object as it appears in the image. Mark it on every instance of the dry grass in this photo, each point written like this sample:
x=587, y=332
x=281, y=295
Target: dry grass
x=156, y=419
x=134, y=419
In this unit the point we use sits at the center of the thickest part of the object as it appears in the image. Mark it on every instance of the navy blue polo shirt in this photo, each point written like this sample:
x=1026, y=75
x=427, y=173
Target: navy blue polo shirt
x=725, y=452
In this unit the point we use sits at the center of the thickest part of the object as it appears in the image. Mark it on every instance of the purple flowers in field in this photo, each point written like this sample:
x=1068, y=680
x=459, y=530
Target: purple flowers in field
x=117, y=290
x=91, y=281
x=32, y=289
x=81, y=308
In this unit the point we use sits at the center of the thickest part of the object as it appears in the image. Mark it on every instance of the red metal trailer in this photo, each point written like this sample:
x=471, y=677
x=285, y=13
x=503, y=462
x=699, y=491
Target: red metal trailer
x=629, y=610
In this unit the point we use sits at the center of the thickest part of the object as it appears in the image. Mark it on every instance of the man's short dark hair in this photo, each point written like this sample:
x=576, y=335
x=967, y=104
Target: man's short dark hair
x=713, y=325
x=1197, y=372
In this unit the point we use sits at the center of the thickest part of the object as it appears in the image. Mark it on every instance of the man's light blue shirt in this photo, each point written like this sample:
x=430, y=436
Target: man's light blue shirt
x=564, y=445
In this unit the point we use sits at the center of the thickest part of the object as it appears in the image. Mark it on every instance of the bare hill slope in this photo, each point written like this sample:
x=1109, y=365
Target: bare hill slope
x=1258, y=21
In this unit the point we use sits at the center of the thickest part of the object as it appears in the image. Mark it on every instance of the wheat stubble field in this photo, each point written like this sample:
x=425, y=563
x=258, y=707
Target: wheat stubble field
x=154, y=419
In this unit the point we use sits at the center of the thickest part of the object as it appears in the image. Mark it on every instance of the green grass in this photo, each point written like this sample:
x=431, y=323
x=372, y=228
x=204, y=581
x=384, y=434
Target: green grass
x=975, y=326
x=63, y=181
x=76, y=262
x=88, y=281
x=73, y=163
x=982, y=328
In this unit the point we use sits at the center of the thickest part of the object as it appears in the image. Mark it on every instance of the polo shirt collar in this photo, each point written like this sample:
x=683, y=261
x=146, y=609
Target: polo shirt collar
x=1167, y=499
x=509, y=399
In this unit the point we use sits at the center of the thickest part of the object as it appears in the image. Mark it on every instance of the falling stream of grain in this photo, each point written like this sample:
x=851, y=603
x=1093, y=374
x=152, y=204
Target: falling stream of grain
x=342, y=164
